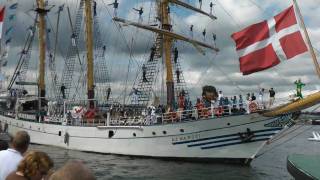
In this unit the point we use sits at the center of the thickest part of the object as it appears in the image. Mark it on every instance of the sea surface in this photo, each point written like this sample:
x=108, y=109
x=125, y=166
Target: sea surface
x=269, y=165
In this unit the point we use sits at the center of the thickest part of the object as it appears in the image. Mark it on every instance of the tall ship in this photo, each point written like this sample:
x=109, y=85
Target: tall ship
x=77, y=108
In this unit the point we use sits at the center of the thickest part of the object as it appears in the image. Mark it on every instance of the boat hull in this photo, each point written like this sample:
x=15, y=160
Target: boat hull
x=206, y=139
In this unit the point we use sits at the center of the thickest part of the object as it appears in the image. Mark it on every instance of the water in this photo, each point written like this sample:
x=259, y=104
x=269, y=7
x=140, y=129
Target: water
x=270, y=165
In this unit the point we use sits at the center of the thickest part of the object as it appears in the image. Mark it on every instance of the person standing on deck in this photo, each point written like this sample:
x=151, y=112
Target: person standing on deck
x=261, y=98
x=299, y=85
x=220, y=97
x=272, y=97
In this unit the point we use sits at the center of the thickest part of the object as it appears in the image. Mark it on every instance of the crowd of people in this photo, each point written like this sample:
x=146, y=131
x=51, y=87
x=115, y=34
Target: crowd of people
x=17, y=163
x=238, y=102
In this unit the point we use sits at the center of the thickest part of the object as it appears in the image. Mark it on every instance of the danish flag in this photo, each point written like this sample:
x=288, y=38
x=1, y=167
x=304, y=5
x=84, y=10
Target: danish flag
x=263, y=45
x=1, y=20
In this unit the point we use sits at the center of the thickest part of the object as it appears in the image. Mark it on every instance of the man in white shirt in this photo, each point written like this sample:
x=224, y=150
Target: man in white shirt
x=11, y=157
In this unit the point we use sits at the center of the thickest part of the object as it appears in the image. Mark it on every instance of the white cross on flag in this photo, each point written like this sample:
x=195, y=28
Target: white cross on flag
x=1, y=20
x=263, y=45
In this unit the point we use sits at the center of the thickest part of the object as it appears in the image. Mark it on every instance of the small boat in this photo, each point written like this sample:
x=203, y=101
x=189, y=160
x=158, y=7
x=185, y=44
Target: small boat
x=304, y=166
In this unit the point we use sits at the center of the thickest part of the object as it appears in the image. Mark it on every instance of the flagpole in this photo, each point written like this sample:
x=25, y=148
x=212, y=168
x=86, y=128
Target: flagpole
x=311, y=50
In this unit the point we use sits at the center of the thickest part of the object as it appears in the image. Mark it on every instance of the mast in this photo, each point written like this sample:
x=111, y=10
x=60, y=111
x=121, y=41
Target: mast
x=42, y=49
x=311, y=50
x=167, y=46
x=89, y=44
x=168, y=37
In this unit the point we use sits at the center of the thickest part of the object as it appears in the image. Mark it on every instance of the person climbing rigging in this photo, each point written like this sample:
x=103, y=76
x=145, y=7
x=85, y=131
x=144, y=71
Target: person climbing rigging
x=299, y=85
x=63, y=89
x=94, y=8
x=144, y=73
x=178, y=75
x=200, y=4
x=104, y=48
x=115, y=7
x=73, y=39
x=211, y=8
x=191, y=31
x=152, y=53
x=140, y=11
x=175, y=55
x=204, y=34
x=108, y=93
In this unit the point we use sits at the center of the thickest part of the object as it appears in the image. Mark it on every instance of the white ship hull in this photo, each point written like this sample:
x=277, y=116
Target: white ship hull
x=216, y=138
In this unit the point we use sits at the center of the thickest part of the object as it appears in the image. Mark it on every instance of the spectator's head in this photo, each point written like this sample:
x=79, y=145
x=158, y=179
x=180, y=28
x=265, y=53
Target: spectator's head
x=35, y=165
x=73, y=170
x=21, y=141
x=3, y=145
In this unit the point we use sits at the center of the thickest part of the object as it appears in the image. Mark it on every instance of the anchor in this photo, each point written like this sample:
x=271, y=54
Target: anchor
x=246, y=136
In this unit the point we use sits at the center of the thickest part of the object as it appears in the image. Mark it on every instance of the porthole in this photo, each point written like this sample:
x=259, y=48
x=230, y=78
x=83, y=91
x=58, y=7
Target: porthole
x=228, y=124
x=153, y=133
x=134, y=134
x=164, y=132
x=181, y=130
x=59, y=133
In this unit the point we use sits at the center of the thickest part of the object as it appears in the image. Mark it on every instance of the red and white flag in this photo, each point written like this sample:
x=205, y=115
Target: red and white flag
x=265, y=44
x=1, y=20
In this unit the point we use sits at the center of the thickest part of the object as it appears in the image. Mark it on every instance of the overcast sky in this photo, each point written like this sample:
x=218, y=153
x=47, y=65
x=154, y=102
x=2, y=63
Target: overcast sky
x=220, y=70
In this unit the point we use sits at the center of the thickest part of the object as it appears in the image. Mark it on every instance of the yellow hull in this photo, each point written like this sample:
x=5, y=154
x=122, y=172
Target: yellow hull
x=295, y=106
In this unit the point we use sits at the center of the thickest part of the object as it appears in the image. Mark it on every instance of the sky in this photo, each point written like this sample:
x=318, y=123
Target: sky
x=128, y=46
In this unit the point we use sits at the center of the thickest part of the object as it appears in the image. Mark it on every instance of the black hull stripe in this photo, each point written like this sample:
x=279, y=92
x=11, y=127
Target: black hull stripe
x=223, y=136
x=229, y=139
x=234, y=143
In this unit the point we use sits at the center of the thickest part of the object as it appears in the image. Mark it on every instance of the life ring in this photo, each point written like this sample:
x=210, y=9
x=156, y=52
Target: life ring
x=253, y=107
x=77, y=111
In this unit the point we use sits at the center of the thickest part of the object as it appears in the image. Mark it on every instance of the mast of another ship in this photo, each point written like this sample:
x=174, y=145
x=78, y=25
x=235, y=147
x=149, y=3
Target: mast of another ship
x=89, y=45
x=42, y=50
x=311, y=50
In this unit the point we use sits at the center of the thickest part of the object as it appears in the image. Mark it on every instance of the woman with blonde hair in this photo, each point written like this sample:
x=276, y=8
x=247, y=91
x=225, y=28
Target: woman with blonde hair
x=35, y=165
